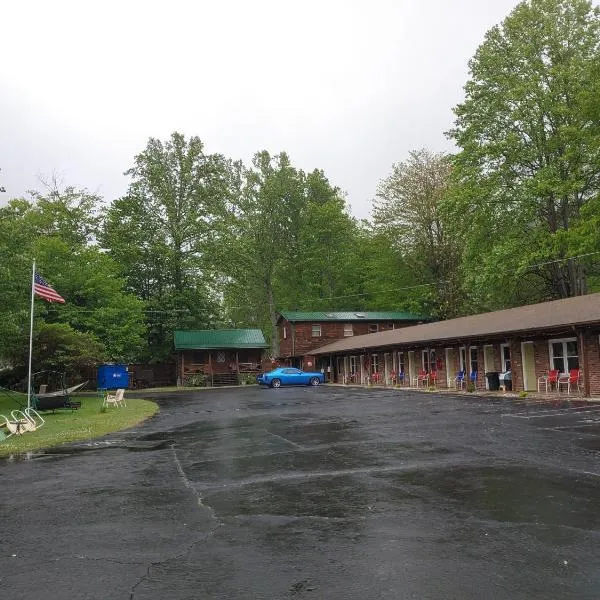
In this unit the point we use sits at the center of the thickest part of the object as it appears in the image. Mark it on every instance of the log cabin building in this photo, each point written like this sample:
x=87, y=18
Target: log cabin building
x=218, y=356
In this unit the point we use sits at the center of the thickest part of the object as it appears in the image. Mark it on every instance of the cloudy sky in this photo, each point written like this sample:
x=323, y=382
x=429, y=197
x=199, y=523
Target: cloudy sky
x=349, y=87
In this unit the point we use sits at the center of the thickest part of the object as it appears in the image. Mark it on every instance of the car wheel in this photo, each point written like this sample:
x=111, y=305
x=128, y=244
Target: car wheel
x=276, y=383
x=314, y=381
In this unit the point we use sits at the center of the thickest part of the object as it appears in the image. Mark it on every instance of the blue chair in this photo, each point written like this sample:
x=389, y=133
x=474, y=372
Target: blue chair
x=459, y=380
x=401, y=377
x=473, y=377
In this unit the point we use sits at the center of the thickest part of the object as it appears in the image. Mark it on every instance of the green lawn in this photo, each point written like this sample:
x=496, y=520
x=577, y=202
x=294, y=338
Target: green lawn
x=66, y=426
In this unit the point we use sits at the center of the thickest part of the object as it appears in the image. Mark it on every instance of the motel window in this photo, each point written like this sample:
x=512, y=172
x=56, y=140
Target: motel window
x=316, y=330
x=473, y=359
x=425, y=361
x=353, y=365
x=505, y=355
x=401, y=362
x=463, y=358
x=348, y=331
x=285, y=333
x=564, y=355
x=373, y=328
x=374, y=363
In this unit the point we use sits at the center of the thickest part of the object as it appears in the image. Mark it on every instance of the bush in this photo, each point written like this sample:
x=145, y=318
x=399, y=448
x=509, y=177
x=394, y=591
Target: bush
x=523, y=394
x=470, y=387
x=196, y=380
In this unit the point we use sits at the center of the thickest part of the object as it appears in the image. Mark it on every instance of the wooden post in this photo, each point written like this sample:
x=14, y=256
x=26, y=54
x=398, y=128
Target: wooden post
x=182, y=367
x=585, y=365
x=212, y=381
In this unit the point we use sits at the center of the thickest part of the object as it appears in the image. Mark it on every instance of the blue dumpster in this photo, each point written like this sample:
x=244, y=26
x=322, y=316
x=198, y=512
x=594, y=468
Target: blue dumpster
x=112, y=377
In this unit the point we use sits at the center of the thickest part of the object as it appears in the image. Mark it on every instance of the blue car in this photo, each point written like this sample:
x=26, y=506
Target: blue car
x=289, y=376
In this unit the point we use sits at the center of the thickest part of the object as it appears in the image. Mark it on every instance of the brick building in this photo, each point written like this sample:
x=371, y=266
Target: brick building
x=528, y=341
x=302, y=332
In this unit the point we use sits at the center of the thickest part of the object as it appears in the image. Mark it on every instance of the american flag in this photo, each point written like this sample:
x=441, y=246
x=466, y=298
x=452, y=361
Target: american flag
x=42, y=288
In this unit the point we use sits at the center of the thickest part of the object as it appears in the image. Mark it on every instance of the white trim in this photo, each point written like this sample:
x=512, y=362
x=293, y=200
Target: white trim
x=502, y=360
x=564, y=342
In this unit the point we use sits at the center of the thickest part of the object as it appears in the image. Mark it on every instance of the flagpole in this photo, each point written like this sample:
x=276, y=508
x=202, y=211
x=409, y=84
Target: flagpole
x=30, y=336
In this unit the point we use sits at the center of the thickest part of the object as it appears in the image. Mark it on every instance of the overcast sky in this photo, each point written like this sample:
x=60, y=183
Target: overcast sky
x=349, y=87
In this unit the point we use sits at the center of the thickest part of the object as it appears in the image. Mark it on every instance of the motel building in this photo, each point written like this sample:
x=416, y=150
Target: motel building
x=549, y=347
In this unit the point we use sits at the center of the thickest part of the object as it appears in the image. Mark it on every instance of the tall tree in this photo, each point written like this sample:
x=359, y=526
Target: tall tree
x=58, y=229
x=530, y=153
x=163, y=233
x=263, y=237
x=407, y=211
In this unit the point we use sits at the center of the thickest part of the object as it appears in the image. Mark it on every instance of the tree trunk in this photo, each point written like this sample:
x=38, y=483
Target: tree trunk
x=273, y=319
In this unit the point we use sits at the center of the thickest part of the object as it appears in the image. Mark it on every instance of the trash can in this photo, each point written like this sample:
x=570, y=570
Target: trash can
x=112, y=377
x=493, y=379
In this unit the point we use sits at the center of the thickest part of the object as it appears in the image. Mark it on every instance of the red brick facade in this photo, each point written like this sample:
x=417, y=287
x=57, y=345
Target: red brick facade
x=538, y=346
x=298, y=339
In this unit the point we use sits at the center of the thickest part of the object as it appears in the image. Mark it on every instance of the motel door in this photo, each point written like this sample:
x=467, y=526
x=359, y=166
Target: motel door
x=528, y=353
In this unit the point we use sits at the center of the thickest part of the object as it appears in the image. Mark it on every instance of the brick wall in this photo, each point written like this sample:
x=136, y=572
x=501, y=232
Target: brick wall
x=300, y=341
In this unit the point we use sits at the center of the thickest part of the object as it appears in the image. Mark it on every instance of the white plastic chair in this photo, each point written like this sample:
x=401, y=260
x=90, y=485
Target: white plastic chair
x=116, y=399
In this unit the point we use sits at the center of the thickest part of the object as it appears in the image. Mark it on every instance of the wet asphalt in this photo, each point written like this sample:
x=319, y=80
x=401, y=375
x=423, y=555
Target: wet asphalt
x=299, y=493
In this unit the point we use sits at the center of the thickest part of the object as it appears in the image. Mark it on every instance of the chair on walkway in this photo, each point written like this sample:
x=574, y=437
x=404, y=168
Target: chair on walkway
x=549, y=379
x=401, y=377
x=459, y=380
x=116, y=399
x=423, y=377
x=473, y=378
x=570, y=380
x=433, y=378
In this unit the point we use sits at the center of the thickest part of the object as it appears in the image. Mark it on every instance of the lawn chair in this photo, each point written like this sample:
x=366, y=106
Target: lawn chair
x=116, y=399
x=423, y=377
x=433, y=378
x=473, y=377
x=459, y=380
x=13, y=427
x=549, y=379
x=570, y=380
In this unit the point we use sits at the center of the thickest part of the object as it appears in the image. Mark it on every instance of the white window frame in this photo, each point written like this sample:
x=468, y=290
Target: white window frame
x=401, y=363
x=425, y=360
x=503, y=358
x=374, y=363
x=352, y=365
x=348, y=330
x=462, y=358
x=471, y=348
x=314, y=328
x=284, y=332
x=565, y=356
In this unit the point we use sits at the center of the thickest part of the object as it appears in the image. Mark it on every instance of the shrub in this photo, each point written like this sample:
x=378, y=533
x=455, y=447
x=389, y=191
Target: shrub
x=523, y=394
x=470, y=387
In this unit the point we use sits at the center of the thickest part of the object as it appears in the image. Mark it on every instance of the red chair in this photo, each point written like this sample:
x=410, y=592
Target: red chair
x=570, y=380
x=423, y=377
x=376, y=378
x=549, y=379
x=433, y=378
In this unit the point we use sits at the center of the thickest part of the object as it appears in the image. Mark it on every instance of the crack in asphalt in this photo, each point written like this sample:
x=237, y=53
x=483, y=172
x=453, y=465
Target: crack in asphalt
x=216, y=523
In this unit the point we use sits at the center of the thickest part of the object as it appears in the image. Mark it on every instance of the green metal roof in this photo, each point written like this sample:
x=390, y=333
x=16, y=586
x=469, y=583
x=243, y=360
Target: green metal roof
x=219, y=338
x=357, y=315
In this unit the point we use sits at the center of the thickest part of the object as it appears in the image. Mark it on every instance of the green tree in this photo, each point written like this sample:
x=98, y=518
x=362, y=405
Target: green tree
x=164, y=233
x=407, y=212
x=263, y=237
x=529, y=152
x=58, y=230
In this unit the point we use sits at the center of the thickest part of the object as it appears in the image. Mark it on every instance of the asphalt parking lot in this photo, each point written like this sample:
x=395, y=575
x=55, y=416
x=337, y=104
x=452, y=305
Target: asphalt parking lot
x=298, y=493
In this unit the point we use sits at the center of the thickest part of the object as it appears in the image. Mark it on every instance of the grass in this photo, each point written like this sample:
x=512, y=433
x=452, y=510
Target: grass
x=65, y=426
